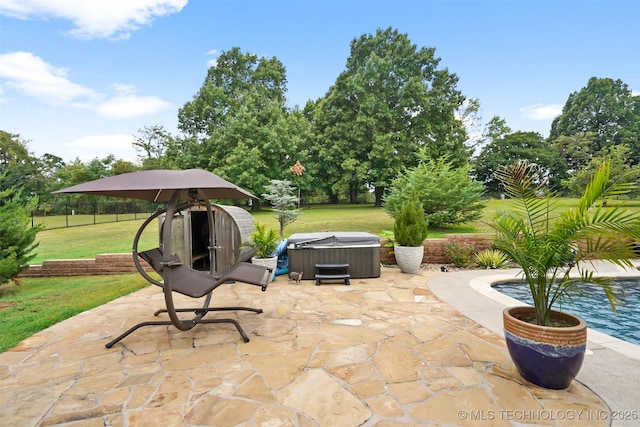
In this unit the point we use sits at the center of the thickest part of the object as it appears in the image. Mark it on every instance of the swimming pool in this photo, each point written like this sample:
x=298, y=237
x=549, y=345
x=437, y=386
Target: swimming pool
x=594, y=307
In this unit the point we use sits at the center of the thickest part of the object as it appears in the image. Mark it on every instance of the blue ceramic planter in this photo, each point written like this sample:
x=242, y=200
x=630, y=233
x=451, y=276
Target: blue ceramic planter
x=550, y=357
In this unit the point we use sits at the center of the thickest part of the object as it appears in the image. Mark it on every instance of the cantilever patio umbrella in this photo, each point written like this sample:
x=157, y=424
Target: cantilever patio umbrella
x=193, y=186
x=160, y=185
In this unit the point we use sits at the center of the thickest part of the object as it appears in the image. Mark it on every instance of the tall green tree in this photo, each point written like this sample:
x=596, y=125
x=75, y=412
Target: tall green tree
x=151, y=144
x=237, y=125
x=46, y=178
x=18, y=167
x=497, y=128
x=575, y=150
x=17, y=237
x=469, y=115
x=494, y=130
x=510, y=148
x=391, y=99
x=78, y=172
x=607, y=109
x=619, y=170
x=303, y=174
x=574, y=154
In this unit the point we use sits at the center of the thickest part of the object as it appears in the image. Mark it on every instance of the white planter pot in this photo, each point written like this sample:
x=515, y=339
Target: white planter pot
x=271, y=262
x=408, y=258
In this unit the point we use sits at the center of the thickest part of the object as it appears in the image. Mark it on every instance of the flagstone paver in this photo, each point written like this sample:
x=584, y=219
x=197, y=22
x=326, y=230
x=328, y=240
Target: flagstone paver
x=380, y=352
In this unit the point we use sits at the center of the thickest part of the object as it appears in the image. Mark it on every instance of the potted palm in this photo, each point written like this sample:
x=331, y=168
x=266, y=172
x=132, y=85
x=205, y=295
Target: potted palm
x=553, y=250
x=409, y=231
x=265, y=242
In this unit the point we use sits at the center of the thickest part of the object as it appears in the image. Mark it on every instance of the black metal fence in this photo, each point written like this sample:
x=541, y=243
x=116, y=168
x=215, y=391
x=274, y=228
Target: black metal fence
x=71, y=214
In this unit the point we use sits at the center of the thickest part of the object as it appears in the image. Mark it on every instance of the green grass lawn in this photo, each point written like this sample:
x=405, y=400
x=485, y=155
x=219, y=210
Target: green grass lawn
x=117, y=237
x=37, y=303
x=90, y=240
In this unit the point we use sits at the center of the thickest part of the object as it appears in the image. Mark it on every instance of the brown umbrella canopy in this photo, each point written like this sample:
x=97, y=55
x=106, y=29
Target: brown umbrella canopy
x=159, y=185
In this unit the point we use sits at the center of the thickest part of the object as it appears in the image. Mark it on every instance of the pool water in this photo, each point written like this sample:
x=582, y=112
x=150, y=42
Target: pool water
x=594, y=307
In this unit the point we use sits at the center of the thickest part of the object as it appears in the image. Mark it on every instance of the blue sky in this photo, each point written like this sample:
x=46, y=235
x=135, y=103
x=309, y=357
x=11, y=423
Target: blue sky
x=79, y=78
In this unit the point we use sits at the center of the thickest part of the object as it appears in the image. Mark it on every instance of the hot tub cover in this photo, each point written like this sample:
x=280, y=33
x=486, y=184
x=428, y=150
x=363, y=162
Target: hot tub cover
x=333, y=239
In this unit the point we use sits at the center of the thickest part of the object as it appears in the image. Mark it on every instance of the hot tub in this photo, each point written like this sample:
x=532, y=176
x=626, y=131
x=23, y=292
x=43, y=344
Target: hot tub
x=358, y=249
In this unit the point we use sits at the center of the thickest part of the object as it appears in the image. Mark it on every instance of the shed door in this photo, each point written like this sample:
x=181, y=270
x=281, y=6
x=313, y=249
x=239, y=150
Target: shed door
x=226, y=243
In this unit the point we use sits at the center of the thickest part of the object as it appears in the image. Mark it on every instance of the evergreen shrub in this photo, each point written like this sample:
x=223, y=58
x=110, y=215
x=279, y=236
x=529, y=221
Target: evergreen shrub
x=410, y=226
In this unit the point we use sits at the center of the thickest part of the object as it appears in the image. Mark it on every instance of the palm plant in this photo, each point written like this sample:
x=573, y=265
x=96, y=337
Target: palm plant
x=548, y=246
x=264, y=240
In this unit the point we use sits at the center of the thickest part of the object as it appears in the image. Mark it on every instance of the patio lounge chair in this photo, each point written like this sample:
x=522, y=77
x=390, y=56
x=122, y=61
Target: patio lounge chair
x=196, y=284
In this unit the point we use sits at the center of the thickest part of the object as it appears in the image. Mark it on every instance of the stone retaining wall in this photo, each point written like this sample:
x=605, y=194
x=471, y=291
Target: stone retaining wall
x=102, y=264
x=434, y=253
x=434, y=249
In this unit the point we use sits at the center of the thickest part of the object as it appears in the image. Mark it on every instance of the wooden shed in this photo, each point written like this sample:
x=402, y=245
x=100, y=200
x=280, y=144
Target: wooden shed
x=190, y=232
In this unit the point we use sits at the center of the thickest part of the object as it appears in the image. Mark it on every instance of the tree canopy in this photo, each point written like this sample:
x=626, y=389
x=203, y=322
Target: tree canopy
x=237, y=124
x=507, y=149
x=619, y=170
x=606, y=109
x=391, y=100
x=151, y=143
x=19, y=169
x=392, y=104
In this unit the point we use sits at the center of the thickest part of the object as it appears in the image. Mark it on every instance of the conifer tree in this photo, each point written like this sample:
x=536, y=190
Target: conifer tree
x=17, y=237
x=281, y=195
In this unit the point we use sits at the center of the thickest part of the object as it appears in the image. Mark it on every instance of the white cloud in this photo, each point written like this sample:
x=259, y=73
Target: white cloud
x=100, y=146
x=113, y=19
x=31, y=75
x=213, y=62
x=124, y=89
x=128, y=106
x=541, y=112
x=635, y=93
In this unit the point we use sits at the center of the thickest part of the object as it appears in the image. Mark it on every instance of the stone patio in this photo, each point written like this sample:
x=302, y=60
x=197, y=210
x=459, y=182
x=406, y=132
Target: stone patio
x=380, y=352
